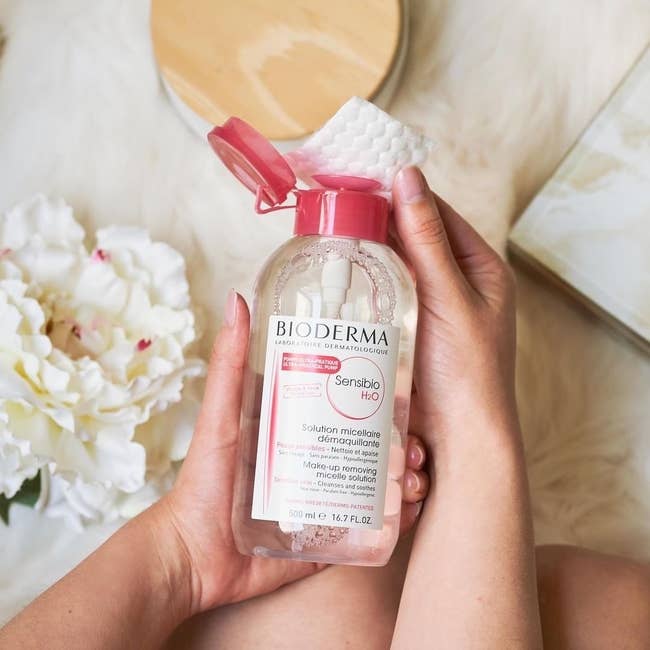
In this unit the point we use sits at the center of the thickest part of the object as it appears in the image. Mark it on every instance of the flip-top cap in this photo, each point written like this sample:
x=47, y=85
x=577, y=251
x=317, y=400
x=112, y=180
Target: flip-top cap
x=343, y=206
x=253, y=160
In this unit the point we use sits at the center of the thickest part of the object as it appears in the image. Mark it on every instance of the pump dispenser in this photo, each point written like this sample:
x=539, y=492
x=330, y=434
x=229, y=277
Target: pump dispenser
x=328, y=382
x=335, y=283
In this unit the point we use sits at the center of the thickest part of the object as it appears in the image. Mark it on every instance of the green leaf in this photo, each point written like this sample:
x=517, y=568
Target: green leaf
x=27, y=495
x=29, y=491
x=4, y=508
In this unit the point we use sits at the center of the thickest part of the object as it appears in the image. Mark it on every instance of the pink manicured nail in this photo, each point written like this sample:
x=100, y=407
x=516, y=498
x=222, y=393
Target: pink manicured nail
x=412, y=481
x=410, y=185
x=416, y=456
x=230, y=312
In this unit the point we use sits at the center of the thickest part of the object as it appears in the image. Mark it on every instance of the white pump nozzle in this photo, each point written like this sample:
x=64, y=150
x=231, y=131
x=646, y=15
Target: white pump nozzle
x=335, y=282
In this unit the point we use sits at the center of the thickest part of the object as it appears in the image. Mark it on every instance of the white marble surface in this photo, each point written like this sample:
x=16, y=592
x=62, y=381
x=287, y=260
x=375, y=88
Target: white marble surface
x=503, y=88
x=590, y=225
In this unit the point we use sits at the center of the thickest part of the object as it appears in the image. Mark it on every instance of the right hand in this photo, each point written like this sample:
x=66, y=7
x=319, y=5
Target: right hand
x=473, y=553
x=464, y=367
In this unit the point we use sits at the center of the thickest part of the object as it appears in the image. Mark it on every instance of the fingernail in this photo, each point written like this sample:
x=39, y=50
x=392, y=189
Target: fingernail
x=416, y=456
x=418, y=508
x=410, y=185
x=230, y=311
x=412, y=482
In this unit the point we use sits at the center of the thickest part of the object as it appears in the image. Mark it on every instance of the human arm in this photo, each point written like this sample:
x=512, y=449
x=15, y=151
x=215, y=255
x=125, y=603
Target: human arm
x=471, y=574
x=124, y=595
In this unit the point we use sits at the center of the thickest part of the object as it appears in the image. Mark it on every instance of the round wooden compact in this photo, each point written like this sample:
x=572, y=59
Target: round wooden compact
x=283, y=66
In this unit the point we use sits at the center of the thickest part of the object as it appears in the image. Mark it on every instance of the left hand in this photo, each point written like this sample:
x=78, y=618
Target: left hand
x=193, y=520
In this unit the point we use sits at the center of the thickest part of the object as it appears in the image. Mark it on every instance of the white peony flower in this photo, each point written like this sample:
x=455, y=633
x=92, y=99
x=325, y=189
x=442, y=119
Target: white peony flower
x=92, y=348
x=17, y=463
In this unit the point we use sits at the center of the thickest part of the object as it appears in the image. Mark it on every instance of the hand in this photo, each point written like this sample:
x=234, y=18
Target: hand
x=194, y=518
x=473, y=552
x=464, y=368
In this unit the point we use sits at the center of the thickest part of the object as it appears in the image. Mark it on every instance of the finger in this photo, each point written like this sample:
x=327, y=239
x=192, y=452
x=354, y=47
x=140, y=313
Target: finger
x=474, y=256
x=276, y=573
x=415, y=453
x=416, y=486
x=219, y=417
x=422, y=233
x=396, y=245
x=409, y=516
x=419, y=422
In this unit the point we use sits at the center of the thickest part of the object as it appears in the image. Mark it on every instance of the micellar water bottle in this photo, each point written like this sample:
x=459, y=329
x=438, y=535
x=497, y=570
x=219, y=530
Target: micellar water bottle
x=328, y=382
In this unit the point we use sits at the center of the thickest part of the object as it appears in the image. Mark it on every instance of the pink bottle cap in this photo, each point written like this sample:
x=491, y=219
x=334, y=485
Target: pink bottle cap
x=342, y=213
x=344, y=207
x=253, y=160
x=339, y=182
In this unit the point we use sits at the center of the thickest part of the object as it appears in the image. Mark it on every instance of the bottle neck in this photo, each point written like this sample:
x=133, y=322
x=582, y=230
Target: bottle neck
x=342, y=213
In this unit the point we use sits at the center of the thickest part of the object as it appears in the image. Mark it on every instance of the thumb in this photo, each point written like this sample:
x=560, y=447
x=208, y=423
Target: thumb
x=217, y=427
x=422, y=233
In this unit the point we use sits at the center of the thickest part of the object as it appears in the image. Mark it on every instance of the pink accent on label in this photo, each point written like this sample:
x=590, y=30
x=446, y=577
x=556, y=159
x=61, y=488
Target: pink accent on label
x=294, y=391
x=319, y=363
x=100, y=255
x=143, y=344
x=273, y=429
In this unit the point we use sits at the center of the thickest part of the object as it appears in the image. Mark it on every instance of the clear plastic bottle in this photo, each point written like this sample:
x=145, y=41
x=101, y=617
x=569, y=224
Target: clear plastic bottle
x=328, y=383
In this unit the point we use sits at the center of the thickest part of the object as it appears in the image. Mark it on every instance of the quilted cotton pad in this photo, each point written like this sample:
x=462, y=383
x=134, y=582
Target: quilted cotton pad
x=360, y=140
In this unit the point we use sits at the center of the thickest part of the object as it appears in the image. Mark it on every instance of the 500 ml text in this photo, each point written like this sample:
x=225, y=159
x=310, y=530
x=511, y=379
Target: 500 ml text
x=335, y=517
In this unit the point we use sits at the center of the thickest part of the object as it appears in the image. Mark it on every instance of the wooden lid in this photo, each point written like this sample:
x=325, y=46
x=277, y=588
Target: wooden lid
x=283, y=66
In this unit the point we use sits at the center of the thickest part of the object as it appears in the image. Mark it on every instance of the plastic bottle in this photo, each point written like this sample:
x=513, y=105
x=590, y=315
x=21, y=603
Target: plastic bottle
x=327, y=387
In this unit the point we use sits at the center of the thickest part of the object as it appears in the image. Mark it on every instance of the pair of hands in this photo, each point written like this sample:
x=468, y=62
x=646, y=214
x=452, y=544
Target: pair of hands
x=464, y=362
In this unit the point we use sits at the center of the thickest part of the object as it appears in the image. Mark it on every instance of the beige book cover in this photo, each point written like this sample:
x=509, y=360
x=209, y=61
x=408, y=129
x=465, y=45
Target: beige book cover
x=589, y=226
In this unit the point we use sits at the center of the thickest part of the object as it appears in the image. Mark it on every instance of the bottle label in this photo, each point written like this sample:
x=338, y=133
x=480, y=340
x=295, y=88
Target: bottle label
x=326, y=422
